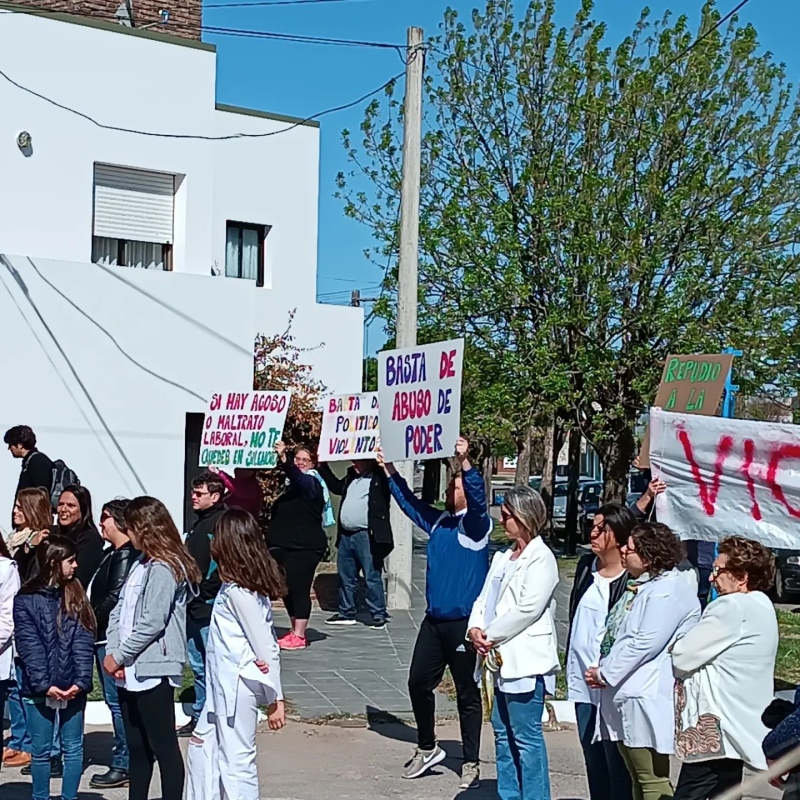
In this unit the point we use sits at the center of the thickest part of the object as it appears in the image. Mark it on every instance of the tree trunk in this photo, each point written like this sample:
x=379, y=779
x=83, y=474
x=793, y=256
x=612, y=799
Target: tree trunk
x=488, y=473
x=538, y=450
x=548, y=469
x=523, y=473
x=617, y=458
x=431, y=481
x=573, y=500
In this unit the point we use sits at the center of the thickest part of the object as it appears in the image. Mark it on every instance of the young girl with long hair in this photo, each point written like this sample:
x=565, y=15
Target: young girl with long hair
x=54, y=628
x=146, y=647
x=243, y=664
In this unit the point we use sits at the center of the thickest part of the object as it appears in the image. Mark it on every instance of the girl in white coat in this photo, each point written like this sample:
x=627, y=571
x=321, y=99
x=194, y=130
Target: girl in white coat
x=242, y=664
x=635, y=672
x=9, y=586
x=512, y=626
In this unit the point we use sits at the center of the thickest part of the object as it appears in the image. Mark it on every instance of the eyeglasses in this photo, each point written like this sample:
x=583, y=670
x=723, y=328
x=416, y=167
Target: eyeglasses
x=300, y=460
x=198, y=493
x=104, y=517
x=506, y=515
x=717, y=571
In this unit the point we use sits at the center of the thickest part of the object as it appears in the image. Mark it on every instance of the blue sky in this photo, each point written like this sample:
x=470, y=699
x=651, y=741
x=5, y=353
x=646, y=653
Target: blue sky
x=302, y=79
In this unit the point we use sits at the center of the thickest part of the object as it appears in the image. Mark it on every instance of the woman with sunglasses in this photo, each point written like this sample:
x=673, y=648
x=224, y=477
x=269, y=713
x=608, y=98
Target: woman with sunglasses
x=724, y=667
x=635, y=673
x=105, y=593
x=296, y=536
x=512, y=626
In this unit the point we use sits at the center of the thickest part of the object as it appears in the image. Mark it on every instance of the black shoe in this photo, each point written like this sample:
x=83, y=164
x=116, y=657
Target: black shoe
x=113, y=779
x=56, y=768
x=338, y=619
x=377, y=625
x=188, y=729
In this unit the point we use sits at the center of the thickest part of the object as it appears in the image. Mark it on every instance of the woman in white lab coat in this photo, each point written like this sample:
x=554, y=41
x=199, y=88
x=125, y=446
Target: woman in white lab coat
x=635, y=671
x=242, y=664
x=725, y=667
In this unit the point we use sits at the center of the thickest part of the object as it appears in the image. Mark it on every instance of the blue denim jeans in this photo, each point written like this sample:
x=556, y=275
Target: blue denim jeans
x=119, y=752
x=354, y=553
x=42, y=722
x=522, y=771
x=605, y=768
x=197, y=638
x=20, y=739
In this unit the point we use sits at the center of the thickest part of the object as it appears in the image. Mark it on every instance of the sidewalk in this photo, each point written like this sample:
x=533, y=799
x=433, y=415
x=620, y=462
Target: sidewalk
x=357, y=671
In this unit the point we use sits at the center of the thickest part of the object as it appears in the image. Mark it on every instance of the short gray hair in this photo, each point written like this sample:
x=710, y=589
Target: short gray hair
x=528, y=508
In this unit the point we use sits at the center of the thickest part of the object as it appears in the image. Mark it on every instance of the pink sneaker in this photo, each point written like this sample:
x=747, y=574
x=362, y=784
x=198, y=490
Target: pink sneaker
x=292, y=642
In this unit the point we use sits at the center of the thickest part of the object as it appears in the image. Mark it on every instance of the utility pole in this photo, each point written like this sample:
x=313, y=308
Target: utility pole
x=399, y=565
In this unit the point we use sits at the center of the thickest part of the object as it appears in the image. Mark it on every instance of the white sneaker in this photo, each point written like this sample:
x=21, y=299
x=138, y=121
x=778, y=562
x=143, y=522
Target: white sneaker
x=470, y=776
x=422, y=761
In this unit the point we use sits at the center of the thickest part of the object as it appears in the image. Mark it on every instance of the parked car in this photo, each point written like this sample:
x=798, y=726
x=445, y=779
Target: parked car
x=787, y=574
x=590, y=493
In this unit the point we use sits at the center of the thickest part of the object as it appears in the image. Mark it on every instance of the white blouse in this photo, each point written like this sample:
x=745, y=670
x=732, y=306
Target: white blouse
x=9, y=586
x=725, y=667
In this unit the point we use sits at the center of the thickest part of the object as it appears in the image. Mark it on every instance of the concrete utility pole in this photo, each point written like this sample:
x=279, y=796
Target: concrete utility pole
x=399, y=566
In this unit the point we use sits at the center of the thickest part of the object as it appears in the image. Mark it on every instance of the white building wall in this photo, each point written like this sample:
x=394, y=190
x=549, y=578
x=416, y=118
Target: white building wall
x=105, y=363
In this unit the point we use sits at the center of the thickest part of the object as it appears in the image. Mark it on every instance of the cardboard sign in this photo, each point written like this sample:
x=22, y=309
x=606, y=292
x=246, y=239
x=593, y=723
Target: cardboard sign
x=689, y=385
x=727, y=477
x=349, y=427
x=419, y=390
x=242, y=428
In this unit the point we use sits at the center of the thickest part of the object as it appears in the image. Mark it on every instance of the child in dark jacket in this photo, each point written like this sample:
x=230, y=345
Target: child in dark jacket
x=54, y=634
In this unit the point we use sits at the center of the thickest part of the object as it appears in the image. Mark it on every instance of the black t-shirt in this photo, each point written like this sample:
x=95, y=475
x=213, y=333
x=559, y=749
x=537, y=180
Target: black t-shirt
x=296, y=520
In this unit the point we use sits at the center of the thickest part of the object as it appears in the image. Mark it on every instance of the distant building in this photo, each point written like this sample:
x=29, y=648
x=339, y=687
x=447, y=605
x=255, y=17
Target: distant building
x=135, y=271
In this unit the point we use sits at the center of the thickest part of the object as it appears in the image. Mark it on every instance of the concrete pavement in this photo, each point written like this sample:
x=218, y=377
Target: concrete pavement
x=308, y=762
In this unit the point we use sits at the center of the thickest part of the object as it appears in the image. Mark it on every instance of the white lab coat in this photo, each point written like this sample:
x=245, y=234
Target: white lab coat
x=9, y=586
x=725, y=665
x=524, y=627
x=241, y=631
x=636, y=708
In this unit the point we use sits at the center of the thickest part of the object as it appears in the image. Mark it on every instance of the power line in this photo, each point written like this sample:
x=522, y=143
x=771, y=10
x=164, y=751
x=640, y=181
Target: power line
x=294, y=125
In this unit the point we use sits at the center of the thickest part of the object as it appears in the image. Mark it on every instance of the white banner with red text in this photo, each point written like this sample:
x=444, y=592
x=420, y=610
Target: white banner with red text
x=727, y=477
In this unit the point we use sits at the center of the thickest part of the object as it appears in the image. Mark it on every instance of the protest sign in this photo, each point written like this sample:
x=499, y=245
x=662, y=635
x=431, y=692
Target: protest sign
x=419, y=391
x=349, y=427
x=727, y=477
x=242, y=428
x=689, y=385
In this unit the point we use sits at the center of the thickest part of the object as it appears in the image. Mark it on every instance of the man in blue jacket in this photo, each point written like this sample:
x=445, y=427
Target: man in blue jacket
x=458, y=562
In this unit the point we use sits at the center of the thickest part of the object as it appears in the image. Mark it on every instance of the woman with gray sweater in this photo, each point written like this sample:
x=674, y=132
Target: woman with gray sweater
x=146, y=648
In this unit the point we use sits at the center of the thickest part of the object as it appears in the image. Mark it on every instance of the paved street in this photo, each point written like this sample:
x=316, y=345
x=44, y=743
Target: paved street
x=308, y=762
x=355, y=670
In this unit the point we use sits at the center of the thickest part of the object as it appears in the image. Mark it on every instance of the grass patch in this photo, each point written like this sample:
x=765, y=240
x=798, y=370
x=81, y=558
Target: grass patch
x=787, y=663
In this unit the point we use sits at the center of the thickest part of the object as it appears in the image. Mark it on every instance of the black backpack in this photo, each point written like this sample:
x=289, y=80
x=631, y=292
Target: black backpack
x=63, y=476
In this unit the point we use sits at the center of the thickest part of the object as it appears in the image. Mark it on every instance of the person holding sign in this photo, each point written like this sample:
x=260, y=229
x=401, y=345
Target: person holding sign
x=297, y=538
x=458, y=562
x=364, y=538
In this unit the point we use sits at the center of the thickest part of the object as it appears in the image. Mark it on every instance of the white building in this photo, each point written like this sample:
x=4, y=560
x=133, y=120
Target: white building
x=110, y=362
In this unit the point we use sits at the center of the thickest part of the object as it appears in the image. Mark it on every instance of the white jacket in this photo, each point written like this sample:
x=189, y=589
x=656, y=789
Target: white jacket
x=524, y=628
x=725, y=665
x=9, y=586
x=637, y=706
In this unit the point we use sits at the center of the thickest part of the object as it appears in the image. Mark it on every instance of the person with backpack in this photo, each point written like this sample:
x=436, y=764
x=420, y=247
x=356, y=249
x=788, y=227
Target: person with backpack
x=146, y=646
x=74, y=521
x=207, y=493
x=54, y=629
x=37, y=468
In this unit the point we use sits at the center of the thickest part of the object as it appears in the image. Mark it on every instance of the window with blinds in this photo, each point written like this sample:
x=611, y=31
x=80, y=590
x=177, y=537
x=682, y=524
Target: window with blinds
x=133, y=217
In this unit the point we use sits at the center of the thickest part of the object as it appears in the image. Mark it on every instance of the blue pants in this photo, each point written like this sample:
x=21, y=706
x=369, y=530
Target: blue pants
x=522, y=771
x=354, y=553
x=605, y=768
x=18, y=711
x=119, y=753
x=42, y=723
x=197, y=638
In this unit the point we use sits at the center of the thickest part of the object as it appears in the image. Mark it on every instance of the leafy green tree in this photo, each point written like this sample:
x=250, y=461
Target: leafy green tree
x=587, y=210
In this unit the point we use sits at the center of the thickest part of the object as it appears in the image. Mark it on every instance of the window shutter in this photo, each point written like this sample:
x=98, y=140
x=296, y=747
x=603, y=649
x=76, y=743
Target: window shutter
x=133, y=204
